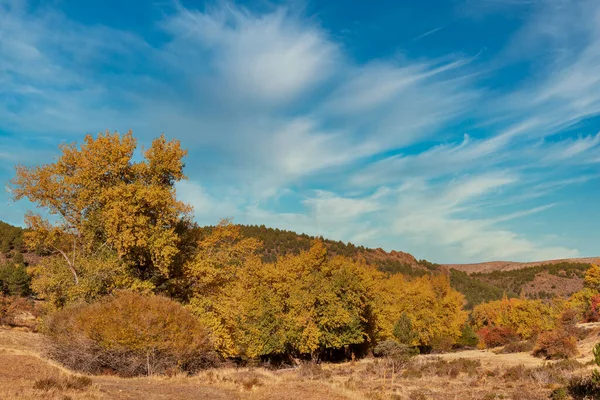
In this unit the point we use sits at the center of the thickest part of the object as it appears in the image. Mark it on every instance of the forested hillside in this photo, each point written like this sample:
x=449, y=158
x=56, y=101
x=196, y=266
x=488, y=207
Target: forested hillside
x=279, y=242
x=11, y=240
x=542, y=281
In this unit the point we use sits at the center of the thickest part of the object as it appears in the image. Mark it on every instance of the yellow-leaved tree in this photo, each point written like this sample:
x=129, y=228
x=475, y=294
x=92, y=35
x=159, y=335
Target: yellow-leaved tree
x=326, y=303
x=524, y=317
x=433, y=307
x=219, y=276
x=104, y=209
x=303, y=304
x=587, y=300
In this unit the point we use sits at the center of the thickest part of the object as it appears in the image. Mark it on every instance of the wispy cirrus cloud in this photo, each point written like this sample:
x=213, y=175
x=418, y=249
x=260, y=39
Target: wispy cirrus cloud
x=285, y=127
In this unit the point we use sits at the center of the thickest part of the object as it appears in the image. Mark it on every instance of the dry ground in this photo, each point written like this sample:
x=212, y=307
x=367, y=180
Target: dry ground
x=23, y=370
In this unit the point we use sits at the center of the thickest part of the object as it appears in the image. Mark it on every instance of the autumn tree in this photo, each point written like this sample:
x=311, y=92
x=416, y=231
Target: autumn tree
x=303, y=304
x=326, y=300
x=219, y=280
x=435, y=309
x=586, y=300
x=100, y=201
x=525, y=317
x=592, y=278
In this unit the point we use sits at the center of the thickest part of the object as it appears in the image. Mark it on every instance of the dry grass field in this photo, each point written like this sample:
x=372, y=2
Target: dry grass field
x=474, y=374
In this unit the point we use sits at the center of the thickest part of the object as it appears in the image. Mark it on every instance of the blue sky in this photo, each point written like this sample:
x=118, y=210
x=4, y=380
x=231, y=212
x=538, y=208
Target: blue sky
x=459, y=131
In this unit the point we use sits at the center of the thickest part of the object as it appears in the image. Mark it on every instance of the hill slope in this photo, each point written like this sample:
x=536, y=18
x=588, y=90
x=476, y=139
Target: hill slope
x=491, y=266
x=280, y=242
x=478, y=282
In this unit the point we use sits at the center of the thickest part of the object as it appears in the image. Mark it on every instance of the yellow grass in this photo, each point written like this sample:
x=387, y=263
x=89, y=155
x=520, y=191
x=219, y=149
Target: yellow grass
x=22, y=365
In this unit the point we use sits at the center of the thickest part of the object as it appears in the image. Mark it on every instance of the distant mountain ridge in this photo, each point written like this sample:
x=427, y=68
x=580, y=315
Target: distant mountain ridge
x=491, y=266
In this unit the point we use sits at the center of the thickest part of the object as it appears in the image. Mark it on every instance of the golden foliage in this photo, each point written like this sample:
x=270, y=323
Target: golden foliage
x=306, y=303
x=130, y=334
x=525, y=317
x=592, y=278
x=116, y=224
x=102, y=199
x=434, y=308
x=99, y=275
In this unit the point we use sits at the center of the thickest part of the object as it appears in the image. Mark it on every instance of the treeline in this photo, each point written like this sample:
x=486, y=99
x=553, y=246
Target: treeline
x=14, y=280
x=278, y=243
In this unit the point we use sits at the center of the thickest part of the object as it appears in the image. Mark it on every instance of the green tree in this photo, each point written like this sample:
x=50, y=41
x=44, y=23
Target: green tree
x=403, y=330
x=14, y=280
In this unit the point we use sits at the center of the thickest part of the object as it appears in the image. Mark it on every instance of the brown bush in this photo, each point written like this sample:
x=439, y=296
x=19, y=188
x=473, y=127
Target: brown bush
x=515, y=373
x=13, y=309
x=496, y=336
x=129, y=334
x=567, y=321
x=556, y=344
x=441, y=344
x=517, y=347
x=311, y=370
x=440, y=367
x=62, y=383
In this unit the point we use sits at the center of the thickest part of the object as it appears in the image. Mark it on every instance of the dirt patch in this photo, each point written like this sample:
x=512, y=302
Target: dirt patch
x=547, y=283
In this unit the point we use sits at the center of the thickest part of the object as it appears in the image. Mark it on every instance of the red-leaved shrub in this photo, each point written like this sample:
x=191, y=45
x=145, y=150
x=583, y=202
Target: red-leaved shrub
x=555, y=344
x=495, y=336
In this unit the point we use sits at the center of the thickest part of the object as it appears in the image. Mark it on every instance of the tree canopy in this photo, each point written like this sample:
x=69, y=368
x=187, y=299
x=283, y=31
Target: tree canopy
x=98, y=198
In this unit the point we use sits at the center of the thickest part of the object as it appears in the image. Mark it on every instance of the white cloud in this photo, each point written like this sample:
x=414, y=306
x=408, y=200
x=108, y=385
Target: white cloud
x=268, y=102
x=270, y=57
x=443, y=159
x=430, y=216
x=570, y=148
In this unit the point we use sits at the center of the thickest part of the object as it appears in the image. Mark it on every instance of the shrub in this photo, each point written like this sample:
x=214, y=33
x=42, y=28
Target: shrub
x=517, y=347
x=440, y=367
x=568, y=322
x=391, y=348
x=515, y=373
x=129, y=334
x=495, y=336
x=311, y=370
x=566, y=365
x=559, y=394
x=584, y=388
x=555, y=344
x=395, y=352
x=12, y=310
x=441, y=344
